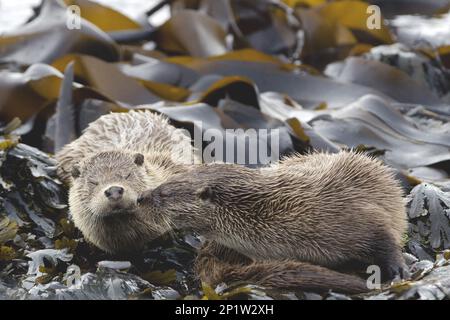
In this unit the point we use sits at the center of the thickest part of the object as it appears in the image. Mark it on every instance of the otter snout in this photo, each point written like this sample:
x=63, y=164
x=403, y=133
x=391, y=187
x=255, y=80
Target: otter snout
x=145, y=197
x=140, y=199
x=114, y=193
x=151, y=197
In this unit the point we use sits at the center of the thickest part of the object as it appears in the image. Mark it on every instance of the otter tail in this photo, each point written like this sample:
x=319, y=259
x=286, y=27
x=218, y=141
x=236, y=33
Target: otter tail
x=285, y=275
x=295, y=275
x=216, y=264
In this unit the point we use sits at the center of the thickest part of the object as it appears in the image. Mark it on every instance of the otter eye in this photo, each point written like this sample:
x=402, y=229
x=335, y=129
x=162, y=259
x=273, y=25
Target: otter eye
x=128, y=176
x=93, y=183
x=139, y=159
x=206, y=193
x=75, y=172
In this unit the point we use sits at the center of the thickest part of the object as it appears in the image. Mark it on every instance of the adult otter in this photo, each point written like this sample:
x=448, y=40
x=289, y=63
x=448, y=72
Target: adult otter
x=327, y=210
x=119, y=156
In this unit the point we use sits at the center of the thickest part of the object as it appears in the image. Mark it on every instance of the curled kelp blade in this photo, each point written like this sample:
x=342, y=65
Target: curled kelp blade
x=333, y=28
x=155, y=70
x=65, y=113
x=373, y=109
x=107, y=78
x=266, y=26
x=372, y=122
x=26, y=45
x=26, y=94
x=235, y=88
x=386, y=79
x=193, y=33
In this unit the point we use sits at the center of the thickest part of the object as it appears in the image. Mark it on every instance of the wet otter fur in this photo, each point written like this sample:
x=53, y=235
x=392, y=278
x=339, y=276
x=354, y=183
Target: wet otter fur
x=217, y=264
x=294, y=221
x=119, y=156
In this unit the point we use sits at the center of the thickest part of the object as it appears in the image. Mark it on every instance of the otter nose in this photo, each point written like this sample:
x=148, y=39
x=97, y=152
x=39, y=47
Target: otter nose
x=114, y=193
x=149, y=197
x=144, y=197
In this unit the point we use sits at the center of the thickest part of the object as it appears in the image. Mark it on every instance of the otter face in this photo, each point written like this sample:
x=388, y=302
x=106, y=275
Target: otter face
x=183, y=202
x=103, y=201
x=111, y=182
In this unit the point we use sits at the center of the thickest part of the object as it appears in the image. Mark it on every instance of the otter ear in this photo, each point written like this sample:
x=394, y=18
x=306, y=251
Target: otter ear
x=139, y=159
x=75, y=172
x=206, y=193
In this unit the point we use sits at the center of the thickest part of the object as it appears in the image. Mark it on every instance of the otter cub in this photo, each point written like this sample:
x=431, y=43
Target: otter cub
x=332, y=210
x=119, y=156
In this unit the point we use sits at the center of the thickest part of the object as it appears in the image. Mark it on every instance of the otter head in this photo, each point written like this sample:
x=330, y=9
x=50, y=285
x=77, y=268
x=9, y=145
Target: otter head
x=103, y=200
x=187, y=204
x=111, y=182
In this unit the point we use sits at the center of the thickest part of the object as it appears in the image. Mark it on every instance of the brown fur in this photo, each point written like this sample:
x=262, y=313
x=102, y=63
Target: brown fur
x=217, y=264
x=330, y=210
x=103, y=157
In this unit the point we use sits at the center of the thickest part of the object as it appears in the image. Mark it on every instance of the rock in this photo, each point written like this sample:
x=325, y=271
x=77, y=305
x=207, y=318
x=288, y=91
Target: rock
x=429, y=219
x=434, y=286
x=36, y=231
x=116, y=265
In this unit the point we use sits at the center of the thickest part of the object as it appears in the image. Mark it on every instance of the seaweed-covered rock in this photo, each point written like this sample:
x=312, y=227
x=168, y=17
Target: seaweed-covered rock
x=431, y=281
x=429, y=217
x=43, y=255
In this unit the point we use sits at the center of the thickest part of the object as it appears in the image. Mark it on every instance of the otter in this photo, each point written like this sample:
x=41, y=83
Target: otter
x=117, y=157
x=299, y=222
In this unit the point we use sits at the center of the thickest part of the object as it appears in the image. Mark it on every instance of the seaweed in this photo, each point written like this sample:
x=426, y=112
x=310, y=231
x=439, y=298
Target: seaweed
x=429, y=216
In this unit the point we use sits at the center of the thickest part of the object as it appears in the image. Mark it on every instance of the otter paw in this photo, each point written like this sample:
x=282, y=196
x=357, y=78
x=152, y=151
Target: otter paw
x=397, y=272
